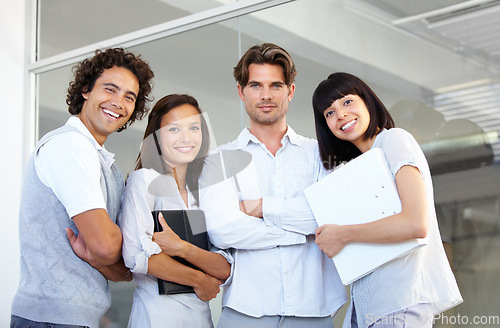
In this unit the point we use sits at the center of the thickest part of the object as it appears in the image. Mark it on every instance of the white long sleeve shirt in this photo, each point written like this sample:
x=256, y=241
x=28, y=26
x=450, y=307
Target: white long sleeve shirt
x=278, y=268
x=147, y=190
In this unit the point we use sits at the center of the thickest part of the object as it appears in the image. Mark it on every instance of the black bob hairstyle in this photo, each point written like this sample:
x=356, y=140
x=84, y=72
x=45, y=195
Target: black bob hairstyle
x=338, y=85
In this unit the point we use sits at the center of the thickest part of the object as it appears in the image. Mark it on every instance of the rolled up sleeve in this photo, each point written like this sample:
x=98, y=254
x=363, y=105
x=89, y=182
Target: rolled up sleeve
x=137, y=224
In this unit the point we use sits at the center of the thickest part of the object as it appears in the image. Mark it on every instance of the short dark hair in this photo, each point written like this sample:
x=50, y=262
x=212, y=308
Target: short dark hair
x=266, y=53
x=88, y=71
x=151, y=146
x=336, y=86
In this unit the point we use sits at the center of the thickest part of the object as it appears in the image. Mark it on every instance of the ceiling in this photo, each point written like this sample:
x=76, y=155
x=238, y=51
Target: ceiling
x=469, y=28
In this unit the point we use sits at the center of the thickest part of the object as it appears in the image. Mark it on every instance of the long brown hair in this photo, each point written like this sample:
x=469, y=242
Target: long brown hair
x=151, y=147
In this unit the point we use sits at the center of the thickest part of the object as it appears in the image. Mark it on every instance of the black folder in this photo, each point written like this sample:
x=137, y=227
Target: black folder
x=190, y=226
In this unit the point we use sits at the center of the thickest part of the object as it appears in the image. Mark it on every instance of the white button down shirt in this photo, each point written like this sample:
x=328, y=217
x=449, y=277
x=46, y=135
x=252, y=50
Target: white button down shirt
x=147, y=190
x=278, y=269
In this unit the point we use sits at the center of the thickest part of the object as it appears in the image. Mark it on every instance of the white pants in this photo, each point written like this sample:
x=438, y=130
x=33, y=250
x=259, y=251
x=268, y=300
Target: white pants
x=230, y=318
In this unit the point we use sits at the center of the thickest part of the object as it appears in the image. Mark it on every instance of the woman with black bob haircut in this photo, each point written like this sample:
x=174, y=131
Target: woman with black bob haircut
x=408, y=291
x=336, y=86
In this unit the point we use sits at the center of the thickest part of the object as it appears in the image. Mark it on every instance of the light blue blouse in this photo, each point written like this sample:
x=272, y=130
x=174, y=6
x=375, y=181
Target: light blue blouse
x=278, y=268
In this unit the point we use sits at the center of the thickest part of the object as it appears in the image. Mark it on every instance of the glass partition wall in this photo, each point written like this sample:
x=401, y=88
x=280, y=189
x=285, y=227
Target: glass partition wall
x=444, y=90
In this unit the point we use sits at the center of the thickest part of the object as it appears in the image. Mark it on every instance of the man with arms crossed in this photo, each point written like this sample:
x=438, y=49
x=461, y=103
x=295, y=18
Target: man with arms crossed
x=281, y=278
x=71, y=181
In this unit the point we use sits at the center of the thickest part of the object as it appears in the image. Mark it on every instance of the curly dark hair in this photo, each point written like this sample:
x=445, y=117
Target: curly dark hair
x=89, y=70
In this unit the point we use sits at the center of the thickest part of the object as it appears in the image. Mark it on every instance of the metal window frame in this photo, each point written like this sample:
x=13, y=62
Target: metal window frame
x=152, y=33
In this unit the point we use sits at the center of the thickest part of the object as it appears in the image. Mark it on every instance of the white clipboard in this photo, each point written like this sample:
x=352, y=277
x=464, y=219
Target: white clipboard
x=363, y=190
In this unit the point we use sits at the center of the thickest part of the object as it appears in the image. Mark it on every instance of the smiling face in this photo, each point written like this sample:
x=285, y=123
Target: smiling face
x=266, y=95
x=110, y=103
x=348, y=119
x=180, y=135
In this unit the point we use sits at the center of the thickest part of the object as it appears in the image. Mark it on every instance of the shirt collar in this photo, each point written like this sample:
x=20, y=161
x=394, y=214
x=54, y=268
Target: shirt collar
x=293, y=137
x=246, y=136
x=75, y=122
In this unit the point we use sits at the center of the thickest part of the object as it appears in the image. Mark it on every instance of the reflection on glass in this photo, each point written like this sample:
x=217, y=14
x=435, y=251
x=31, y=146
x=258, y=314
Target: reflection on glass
x=52, y=92
x=71, y=24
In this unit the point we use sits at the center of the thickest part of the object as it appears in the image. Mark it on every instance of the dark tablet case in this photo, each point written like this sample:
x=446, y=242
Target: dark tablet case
x=183, y=223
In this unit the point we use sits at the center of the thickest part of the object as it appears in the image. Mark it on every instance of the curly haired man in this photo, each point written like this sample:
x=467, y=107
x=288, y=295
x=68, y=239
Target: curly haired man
x=71, y=197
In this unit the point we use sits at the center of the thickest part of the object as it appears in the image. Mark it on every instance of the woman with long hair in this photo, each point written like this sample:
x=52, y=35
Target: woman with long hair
x=175, y=144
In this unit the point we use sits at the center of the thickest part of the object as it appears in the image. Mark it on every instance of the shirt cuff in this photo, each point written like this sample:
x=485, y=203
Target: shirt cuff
x=149, y=248
x=229, y=258
x=270, y=211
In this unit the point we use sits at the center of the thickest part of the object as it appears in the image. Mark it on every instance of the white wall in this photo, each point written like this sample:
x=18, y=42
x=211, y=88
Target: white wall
x=12, y=141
